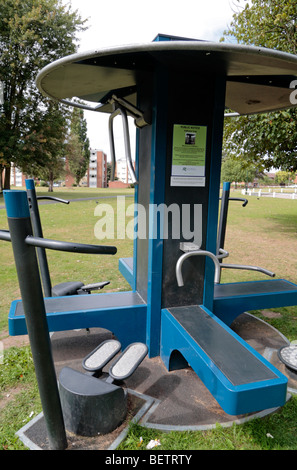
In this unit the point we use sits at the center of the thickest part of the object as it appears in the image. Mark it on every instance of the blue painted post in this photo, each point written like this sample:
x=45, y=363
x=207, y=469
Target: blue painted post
x=156, y=197
x=31, y=291
x=214, y=186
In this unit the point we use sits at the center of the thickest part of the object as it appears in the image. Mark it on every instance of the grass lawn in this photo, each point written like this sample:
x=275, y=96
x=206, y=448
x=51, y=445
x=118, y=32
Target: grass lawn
x=263, y=233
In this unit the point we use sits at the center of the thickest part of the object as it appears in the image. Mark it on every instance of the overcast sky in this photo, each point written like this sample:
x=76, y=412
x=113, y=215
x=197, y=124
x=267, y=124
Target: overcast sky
x=120, y=22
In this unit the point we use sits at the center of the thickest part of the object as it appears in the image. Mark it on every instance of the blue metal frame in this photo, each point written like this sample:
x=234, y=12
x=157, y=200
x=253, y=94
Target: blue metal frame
x=227, y=308
x=128, y=323
x=234, y=399
x=128, y=271
x=155, y=248
x=214, y=188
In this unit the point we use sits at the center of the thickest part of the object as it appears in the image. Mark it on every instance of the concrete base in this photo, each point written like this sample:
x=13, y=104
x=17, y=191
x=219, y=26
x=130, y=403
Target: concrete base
x=159, y=399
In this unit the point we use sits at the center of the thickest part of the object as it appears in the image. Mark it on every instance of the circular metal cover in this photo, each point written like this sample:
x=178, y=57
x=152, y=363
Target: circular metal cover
x=258, y=79
x=288, y=355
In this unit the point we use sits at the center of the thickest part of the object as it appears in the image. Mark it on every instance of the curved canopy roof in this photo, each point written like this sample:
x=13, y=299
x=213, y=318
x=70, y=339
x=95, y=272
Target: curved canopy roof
x=258, y=79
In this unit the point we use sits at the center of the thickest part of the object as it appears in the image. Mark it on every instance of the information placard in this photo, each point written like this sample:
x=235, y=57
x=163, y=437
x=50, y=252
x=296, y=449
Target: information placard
x=188, y=155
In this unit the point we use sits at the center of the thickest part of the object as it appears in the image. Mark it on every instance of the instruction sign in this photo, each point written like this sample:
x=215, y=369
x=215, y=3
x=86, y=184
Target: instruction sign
x=188, y=155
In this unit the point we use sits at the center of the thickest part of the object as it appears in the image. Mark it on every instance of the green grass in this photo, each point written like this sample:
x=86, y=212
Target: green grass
x=19, y=395
x=263, y=233
x=275, y=432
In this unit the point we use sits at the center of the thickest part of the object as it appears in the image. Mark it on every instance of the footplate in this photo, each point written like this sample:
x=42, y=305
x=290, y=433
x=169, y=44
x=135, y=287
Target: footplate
x=128, y=362
x=100, y=356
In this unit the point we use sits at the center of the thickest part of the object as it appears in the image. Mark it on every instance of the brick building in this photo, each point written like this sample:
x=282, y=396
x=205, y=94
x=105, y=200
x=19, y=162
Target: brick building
x=96, y=175
x=17, y=177
x=97, y=171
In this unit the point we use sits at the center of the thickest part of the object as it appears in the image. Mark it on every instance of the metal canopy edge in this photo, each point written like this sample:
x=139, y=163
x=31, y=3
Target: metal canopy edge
x=258, y=79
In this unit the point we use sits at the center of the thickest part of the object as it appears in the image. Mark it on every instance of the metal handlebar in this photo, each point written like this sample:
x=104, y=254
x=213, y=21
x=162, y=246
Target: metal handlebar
x=182, y=258
x=120, y=110
x=63, y=246
x=70, y=247
x=53, y=198
x=5, y=235
x=218, y=266
x=245, y=201
x=248, y=268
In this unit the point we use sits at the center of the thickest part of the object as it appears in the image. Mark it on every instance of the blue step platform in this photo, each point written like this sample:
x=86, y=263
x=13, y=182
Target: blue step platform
x=123, y=313
x=239, y=378
x=232, y=299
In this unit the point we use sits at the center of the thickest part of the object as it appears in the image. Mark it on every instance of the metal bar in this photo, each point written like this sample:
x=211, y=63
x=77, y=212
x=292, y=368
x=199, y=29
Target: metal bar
x=5, y=235
x=70, y=247
x=245, y=201
x=127, y=145
x=111, y=143
x=248, y=268
x=20, y=226
x=37, y=230
x=121, y=111
x=178, y=269
x=53, y=198
x=139, y=119
x=223, y=217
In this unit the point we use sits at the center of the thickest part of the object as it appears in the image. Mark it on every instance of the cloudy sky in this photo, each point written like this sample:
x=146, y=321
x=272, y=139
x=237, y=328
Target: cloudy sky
x=120, y=22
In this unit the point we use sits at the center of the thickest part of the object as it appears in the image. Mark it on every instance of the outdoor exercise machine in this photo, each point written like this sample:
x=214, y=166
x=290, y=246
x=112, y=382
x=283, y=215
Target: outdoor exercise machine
x=64, y=288
x=177, y=91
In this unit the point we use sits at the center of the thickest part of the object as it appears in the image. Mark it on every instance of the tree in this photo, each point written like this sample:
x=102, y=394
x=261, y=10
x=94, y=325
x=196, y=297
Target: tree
x=266, y=23
x=47, y=142
x=78, y=146
x=33, y=33
x=268, y=139
x=234, y=171
x=284, y=177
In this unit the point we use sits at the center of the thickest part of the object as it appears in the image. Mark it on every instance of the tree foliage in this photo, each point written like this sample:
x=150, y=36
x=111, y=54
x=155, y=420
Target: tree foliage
x=269, y=140
x=48, y=143
x=78, y=145
x=265, y=23
x=33, y=33
x=234, y=171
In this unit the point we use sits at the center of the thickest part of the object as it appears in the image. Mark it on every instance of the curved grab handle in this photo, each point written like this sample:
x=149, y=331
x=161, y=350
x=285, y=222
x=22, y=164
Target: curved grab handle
x=53, y=198
x=180, y=261
x=123, y=113
x=71, y=247
x=5, y=235
x=245, y=201
x=248, y=268
x=112, y=147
